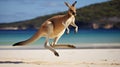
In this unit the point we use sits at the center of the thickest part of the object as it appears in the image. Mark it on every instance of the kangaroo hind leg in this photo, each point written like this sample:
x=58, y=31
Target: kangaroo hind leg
x=49, y=30
x=49, y=47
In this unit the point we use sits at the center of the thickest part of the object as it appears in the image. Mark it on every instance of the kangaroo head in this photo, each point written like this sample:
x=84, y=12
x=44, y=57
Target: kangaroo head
x=72, y=9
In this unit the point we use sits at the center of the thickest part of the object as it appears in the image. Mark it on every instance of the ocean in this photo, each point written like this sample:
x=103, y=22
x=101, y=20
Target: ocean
x=83, y=37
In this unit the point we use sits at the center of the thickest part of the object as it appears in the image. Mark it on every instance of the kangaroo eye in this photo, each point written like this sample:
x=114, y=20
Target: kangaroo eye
x=72, y=12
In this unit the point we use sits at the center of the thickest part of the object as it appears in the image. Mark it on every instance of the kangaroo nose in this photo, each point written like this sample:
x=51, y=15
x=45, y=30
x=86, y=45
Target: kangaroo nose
x=74, y=13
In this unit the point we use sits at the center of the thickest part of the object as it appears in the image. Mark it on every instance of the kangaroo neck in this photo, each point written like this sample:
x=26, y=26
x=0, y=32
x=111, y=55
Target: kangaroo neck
x=68, y=15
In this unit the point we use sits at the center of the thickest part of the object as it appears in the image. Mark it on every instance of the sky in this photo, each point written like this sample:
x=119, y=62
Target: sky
x=19, y=10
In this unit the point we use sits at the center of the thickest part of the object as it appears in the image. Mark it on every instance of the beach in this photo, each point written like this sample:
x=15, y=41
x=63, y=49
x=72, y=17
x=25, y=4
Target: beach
x=68, y=58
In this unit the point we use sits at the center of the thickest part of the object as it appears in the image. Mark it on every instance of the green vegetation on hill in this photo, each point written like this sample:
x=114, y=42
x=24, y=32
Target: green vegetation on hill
x=99, y=11
x=100, y=14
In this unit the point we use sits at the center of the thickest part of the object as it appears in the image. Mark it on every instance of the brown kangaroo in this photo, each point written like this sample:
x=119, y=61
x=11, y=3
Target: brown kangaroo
x=54, y=28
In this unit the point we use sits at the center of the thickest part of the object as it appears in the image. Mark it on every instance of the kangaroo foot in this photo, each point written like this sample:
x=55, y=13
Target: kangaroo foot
x=71, y=46
x=56, y=54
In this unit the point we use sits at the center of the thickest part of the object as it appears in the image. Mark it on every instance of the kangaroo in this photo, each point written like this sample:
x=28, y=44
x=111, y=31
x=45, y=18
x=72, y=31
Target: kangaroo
x=54, y=28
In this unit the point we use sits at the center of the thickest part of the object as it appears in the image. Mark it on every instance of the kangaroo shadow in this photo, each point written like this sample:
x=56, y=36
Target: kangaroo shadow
x=11, y=62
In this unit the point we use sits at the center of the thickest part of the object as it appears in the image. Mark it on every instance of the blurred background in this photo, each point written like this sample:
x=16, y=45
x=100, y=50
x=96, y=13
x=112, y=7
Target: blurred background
x=98, y=21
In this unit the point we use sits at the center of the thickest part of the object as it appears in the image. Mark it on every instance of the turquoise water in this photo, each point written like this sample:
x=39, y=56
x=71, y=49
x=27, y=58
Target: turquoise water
x=9, y=37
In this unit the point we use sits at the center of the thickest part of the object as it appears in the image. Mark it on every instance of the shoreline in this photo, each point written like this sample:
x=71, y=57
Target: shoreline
x=86, y=46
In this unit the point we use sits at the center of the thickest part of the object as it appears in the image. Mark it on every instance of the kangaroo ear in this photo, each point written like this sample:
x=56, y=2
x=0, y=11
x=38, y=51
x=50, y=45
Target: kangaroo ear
x=68, y=5
x=74, y=3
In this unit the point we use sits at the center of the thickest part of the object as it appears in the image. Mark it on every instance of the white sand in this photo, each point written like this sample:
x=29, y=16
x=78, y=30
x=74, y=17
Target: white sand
x=68, y=58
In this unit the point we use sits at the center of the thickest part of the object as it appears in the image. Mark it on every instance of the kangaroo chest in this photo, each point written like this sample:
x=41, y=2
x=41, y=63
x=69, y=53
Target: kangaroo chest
x=66, y=24
x=69, y=21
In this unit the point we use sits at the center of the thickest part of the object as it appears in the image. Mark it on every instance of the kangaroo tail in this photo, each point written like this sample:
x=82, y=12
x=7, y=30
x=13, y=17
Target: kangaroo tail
x=36, y=36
